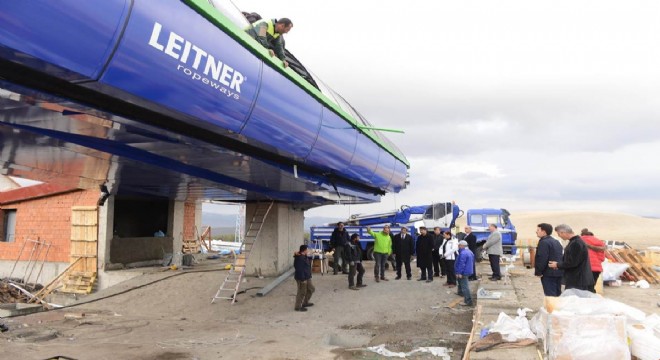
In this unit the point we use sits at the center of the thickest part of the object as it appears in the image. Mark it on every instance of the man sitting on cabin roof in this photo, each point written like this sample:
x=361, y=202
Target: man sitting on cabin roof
x=269, y=34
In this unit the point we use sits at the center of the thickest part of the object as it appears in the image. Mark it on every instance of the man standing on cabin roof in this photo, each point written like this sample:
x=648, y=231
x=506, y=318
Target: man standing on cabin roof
x=269, y=34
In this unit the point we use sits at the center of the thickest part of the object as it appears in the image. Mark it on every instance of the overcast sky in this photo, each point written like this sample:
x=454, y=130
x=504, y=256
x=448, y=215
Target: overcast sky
x=525, y=105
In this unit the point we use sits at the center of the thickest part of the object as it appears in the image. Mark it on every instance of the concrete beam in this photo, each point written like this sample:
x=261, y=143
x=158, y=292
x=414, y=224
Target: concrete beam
x=266, y=289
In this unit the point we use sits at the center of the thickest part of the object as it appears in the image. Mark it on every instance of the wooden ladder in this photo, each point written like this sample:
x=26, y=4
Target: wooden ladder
x=229, y=288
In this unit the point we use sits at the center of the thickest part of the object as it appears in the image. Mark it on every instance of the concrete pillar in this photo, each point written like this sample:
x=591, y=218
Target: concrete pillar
x=175, y=229
x=281, y=235
x=198, y=216
x=106, y=226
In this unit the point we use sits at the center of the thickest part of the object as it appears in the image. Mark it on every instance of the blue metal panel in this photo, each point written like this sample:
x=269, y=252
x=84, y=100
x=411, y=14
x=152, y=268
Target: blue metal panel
x=285, y=116
x=385, y=169
x=185, y=63
x=364, y=160
x=335, y=145
x=398, y=181
x=74, y=35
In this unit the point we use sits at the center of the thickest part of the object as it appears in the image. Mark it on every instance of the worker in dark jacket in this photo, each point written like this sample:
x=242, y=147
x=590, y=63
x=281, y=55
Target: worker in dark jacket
x=269, y=34
x=403, y=248
x=303, y=276
x=548, y=249
x=338, y=240
x=424, y=251
x=353, y=257
x=471, y=240
x=438, y=263
x=575, y=262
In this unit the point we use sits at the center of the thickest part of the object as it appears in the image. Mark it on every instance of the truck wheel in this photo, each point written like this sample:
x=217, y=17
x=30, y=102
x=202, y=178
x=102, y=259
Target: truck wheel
x=370, y=253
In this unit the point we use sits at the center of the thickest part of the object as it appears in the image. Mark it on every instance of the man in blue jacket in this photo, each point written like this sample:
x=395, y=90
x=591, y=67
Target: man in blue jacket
x=303, y=276
x=464, y=268
x=548, y=249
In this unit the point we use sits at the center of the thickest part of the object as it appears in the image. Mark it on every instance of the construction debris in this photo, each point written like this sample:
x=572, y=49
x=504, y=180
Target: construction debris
x=486, y=294
x=9, y=294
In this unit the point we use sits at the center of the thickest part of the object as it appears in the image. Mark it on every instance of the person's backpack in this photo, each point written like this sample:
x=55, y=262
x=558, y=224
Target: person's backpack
x=252, y=17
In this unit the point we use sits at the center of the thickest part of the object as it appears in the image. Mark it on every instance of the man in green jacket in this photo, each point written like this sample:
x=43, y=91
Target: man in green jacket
x=382, y=250
x=269, y=34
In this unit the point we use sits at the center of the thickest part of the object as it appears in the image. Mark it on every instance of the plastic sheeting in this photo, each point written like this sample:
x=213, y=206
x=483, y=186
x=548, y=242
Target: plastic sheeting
x=645, y=339
x=613, y=271
x=512, y=329
x=441, y=352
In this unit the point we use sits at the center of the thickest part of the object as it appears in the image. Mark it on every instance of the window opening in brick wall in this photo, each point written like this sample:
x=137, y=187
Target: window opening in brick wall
x=9, y=225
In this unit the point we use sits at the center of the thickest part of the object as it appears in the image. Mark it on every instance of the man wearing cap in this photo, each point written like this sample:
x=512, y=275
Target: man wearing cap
x=303, y=276
x=382, y=250
x=464, y=268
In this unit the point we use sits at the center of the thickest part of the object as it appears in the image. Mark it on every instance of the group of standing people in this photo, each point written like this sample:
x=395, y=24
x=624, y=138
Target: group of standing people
x=578, y=265
x=437, y=253
x=440, y=250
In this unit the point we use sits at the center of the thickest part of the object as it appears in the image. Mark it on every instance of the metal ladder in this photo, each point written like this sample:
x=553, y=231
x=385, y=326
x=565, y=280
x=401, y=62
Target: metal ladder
x=229, y=287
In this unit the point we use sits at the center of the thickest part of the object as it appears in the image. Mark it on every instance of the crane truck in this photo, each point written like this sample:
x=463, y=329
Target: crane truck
x=442, y=215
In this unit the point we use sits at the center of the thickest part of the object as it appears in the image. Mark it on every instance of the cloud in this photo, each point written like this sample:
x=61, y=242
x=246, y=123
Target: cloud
x=515, y=103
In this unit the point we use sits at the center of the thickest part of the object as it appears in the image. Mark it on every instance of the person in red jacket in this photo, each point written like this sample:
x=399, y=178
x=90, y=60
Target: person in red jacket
x=596, y=253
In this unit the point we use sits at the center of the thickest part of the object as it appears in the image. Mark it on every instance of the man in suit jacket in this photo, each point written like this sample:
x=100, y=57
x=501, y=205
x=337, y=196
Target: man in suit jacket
x=548, y=249
x=424, y=250
x=471, y=240
x=493, y=247
x=403, y=248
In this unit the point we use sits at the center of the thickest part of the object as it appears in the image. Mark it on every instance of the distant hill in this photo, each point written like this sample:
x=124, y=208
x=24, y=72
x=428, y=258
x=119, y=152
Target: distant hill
x=225, y=224
x=640, y=232
x=218, y=220
x=318, y=221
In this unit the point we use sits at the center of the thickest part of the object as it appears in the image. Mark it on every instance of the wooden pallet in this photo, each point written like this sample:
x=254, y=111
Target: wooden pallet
x=639, y=269
x=79, y=282
x=191, y=246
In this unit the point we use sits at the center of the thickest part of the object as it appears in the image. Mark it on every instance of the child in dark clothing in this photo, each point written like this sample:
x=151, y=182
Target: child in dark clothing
x=303, y=276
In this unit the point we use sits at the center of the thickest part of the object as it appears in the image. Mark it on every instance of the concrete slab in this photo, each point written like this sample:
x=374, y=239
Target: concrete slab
x=8, y=310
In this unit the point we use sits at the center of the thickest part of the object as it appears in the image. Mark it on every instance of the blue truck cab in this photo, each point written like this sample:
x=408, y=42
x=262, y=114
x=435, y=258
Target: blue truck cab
x=442, y=215
x=479, y=219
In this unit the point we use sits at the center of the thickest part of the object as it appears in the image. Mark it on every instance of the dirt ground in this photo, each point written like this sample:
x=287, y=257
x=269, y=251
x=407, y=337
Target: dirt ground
x=169, y=316
x=174, y=319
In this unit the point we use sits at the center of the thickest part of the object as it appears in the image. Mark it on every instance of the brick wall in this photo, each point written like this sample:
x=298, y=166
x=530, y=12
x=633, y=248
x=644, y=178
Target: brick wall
x=47, y=219
x=189, y=220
